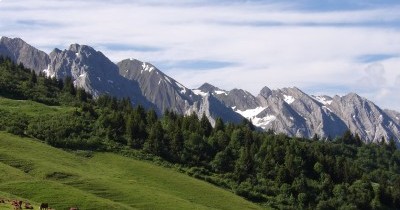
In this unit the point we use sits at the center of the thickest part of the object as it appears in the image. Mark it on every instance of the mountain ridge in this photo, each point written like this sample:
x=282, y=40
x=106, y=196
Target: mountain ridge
x=293, y=112
x=285, y=110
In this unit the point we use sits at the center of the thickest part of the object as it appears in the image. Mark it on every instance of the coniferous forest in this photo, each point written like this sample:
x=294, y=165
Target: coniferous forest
x=267, y=168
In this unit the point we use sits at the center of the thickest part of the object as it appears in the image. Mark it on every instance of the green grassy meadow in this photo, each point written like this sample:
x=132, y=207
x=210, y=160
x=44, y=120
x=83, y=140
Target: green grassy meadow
x=39, y=173
x=31, y=108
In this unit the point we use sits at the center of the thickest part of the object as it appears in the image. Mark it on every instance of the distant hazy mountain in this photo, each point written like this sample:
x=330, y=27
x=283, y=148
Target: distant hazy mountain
x=286, y=110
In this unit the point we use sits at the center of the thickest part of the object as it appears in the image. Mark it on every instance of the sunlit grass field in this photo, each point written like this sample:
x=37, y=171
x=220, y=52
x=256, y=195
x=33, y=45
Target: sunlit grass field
x=38, y=173
x=31, y=108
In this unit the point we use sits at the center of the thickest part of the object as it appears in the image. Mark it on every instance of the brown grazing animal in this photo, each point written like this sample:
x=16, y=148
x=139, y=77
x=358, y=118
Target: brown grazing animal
x=16, y=204
x=28, y=206
x=44, y=206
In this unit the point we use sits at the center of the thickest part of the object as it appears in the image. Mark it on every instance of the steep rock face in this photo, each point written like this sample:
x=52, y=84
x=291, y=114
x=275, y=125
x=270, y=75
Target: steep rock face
x=94, y=72
x=281, y=118
x=166, y=93
x=20, y=52
x=237, y=99
x=319, y=119
x=213, y=108
x=365, y=118
x=207, y=87
x=158, y=88
x=291, y=111
x=395, y=116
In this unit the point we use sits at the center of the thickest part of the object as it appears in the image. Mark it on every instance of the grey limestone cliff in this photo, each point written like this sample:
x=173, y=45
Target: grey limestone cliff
x=158, y=88
x=21, y=52
x=293, y=112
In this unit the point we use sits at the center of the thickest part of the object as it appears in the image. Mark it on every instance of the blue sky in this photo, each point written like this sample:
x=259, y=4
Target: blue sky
x=323, y=47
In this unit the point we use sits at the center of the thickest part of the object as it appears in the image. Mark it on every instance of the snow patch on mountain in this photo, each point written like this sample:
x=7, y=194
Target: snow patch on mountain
x=251, y=113
x=327, y=108
x=183, y=88
x=323, y=100
x=199, y=92
x=48, y=72
x=219, y=92
x=288, y=99
x=264, y=121
x=147, y=67
x=168, y=79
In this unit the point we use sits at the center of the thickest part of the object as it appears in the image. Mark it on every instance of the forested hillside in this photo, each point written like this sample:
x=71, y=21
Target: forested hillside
x=270, y=169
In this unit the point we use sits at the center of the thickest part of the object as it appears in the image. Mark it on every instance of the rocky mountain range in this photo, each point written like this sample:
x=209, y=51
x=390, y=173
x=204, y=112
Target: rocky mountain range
x=291, y=111
x=286, y=110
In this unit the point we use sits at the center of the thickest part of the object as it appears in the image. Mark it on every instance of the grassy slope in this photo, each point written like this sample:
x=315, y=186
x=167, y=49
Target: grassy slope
x=31, y=108
x=40, y=173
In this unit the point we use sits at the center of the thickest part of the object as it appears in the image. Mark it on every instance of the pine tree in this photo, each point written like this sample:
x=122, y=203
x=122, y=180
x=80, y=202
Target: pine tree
x=205, y=126
x=219, y=125
x=33, y=78
x=69, y=85
x=154, y=143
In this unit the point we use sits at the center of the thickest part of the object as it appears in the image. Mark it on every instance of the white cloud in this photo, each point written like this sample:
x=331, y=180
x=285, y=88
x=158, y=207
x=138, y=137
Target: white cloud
x=271, y=45
x=380, y=83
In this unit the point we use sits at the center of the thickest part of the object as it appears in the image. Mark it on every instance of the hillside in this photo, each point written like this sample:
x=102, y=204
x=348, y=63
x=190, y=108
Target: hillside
x=268, y=169
x=40, y=173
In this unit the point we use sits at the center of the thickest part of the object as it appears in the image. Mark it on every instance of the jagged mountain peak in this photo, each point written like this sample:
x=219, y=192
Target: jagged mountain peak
x=207, y=87
x=16, y=40
x=92, y=71
x=132, y=65
x=167, y=93
x=241, y=92
x=56, y=50
x=80, y=59
x=21, y=52
x=157, y=87
x=351, y=95
x=134, y=69
x=265, y=92
x=291, y=89
x=353, y=100
x=323, y=99
x=290, y=95
x=82, y=48
x=296, y=92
